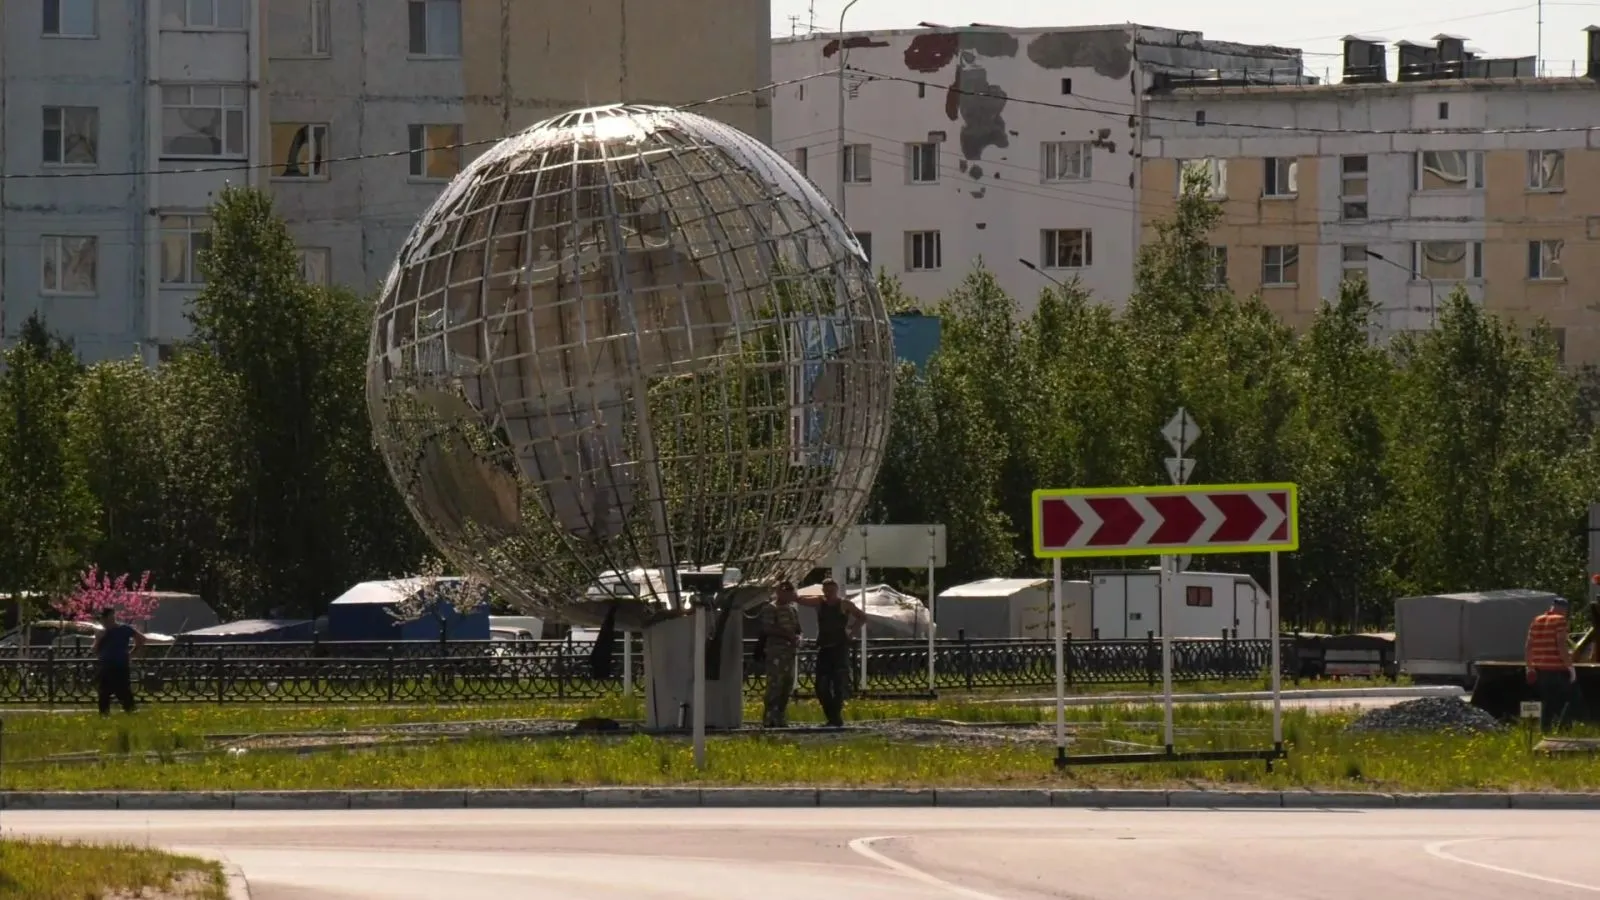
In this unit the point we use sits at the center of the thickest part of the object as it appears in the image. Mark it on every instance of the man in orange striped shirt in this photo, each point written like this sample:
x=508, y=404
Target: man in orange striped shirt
x=1549, y=660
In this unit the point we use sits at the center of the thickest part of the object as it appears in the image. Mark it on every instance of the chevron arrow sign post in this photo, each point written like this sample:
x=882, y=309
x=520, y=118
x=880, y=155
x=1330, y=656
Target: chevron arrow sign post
x=1152, y=521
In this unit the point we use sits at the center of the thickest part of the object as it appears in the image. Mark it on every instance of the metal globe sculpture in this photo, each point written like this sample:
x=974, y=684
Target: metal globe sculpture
x=624, y=343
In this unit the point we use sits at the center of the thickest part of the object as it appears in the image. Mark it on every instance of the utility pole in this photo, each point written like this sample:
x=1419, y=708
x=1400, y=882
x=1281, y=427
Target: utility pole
x=843, y=53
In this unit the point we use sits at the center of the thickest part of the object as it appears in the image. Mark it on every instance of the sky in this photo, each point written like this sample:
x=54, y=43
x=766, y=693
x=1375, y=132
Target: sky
x=1499, y=27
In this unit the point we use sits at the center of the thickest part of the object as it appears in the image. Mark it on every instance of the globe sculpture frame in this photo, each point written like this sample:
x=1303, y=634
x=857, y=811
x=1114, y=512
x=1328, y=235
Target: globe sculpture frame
x=627, y=343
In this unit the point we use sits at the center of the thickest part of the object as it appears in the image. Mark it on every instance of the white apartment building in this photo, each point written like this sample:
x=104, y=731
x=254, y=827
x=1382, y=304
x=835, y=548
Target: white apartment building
x=1460, y=172
x=1017, y=146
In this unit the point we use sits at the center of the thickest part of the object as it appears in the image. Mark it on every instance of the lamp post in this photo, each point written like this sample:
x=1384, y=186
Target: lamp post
x=843, y=203
x=1433, y=296
x=1042, y=273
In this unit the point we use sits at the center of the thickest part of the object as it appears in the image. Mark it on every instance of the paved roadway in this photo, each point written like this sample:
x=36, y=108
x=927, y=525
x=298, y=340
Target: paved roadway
x=882, y=854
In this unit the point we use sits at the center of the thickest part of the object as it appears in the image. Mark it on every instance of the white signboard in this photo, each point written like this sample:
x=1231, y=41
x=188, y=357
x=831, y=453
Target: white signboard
x=882, y=546
x=1531, y=709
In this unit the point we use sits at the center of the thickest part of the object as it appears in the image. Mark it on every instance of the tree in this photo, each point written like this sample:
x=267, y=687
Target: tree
x=97, y=592
x=115, y=428
x=1490, y=470
x=47, y=514
x=313, y=509
x=431, y=593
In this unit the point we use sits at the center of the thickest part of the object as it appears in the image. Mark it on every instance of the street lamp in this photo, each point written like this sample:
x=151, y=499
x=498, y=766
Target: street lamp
x=843, y=52
x=1042, y=273
x=1433, y=298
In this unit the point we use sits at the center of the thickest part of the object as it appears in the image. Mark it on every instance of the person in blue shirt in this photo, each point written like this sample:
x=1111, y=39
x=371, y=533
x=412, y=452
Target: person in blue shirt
x=114, y=648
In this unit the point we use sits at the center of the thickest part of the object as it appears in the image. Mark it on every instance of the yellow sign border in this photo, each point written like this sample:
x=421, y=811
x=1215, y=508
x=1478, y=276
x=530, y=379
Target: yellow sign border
x=1288, y=546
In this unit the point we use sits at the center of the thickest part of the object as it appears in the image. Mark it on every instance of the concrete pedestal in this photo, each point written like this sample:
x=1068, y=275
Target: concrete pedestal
x=669, y=674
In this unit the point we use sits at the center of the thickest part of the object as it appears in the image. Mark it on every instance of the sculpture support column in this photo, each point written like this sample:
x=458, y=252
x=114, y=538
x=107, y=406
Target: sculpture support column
x=669, y=676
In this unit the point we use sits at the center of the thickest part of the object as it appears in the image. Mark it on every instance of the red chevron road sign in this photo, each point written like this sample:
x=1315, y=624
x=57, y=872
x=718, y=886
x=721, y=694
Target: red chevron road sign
x=1147, y=521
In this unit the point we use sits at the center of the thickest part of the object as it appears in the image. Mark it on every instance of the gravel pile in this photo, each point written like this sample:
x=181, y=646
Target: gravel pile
x=1426, y=714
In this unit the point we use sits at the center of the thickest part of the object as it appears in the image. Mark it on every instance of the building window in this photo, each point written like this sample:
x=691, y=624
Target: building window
x=220, y=15
x=183, y=239
x=864, y=238
x=1219, y=267
x=70, y=18
x=1449, y=170
x=435, y=152
x=1282, y=177
x=1444, y=110
x=1447, y=260
x=71, y=135
x=319, y=28
x=1066, y=248
x=801, y=158
x=1214, y=172
x=314, y=264
x=1197, y=595
x=1353, y=188
x=435, y=27
x=1066, y=85
x=299, y=150
x=1280, y=266
x=1556, y=338
x=1547, y=170
x=1544, y=261
x=924, y=163
x=202, y=121
x=858, y=164
x=67, y=265
x=1353, y=262
x=1067, y=160
x=923, y=252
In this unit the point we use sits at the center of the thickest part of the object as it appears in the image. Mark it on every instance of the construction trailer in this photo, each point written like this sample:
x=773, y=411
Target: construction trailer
x=1009, y=608
x=1126, y=603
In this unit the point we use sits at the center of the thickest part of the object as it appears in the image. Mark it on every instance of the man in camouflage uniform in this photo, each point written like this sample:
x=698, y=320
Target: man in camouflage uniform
x=780, y=627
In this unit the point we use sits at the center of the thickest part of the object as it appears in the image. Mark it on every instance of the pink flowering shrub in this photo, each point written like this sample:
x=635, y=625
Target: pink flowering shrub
x=97, y=591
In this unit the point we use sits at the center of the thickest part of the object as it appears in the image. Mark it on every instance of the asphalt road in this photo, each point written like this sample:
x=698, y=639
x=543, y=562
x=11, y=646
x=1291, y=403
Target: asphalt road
x=883, y=854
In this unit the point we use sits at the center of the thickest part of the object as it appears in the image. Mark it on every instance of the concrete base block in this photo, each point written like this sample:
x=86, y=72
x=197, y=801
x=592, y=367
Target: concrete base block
x=528, y=798
x=1453, y=801
x=636, y=798
x=268, y=800
x=990, y=798
x=1542, y=800
x=669, y=675
x=1337, y=800
x=408, y=799
x=758, y=797
x=1109, y=799
x=62, y=800
x=185, y=800
x=1225, y=799
x=874, y=797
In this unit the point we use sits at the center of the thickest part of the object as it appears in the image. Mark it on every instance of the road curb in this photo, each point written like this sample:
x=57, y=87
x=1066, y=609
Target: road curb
x=781, y=797
x=1410, y=693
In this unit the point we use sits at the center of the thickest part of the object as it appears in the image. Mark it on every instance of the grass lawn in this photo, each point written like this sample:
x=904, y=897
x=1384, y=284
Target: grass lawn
x=50, y=870
x=1322, y=755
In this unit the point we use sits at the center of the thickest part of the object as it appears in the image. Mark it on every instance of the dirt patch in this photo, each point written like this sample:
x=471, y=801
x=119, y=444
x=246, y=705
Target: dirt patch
x=187, y=886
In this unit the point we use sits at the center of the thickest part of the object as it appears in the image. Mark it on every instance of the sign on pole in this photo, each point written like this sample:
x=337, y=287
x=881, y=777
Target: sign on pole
x=1181, y=432
x=1149, y=521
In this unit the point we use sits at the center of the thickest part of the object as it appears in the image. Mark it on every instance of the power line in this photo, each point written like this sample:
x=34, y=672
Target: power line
x=388, y=154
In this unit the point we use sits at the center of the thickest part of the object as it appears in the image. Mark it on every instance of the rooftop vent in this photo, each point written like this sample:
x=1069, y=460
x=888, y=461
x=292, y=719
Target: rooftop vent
x=1366, y=60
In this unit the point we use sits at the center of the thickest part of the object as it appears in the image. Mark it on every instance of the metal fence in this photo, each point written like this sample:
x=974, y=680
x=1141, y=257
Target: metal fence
x=398, y=672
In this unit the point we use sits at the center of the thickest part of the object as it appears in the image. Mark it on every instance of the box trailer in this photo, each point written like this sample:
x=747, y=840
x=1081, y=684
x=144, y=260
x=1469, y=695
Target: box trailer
x=1440, y=638
x=1126, y=603
x=1010, y=608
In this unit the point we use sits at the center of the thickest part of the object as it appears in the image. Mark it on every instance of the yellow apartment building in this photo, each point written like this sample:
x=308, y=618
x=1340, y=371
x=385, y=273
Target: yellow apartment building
x=1462, y=171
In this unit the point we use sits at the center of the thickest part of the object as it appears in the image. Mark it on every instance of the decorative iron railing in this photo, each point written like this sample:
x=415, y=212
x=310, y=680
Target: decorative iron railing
x=400, y=672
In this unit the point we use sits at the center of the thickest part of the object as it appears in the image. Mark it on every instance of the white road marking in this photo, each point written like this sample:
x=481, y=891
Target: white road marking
x=863, y=846
x=1438, y=851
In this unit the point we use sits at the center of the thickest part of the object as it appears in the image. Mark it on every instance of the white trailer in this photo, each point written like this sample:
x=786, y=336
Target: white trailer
x=1126, y=603
x=1009, y=608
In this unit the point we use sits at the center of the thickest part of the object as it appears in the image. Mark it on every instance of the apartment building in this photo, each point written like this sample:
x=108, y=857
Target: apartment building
x=1460, y=171
x=120, y=120
x=1017, y=146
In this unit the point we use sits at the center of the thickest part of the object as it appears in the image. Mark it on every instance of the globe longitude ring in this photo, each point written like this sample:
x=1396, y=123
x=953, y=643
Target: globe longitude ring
x=627, y=342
